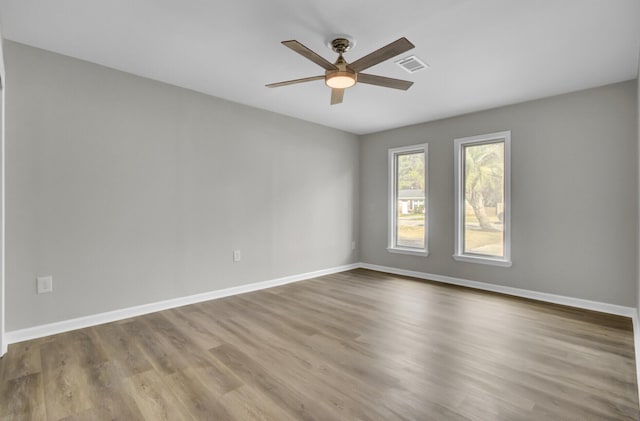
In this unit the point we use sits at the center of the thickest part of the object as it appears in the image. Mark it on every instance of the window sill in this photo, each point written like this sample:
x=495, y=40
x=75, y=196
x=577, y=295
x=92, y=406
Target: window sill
x=483, y=260
x=411, y=252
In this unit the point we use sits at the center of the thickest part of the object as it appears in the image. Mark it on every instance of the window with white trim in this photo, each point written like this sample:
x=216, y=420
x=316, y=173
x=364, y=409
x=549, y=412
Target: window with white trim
x=408, y=200
x=482, y=199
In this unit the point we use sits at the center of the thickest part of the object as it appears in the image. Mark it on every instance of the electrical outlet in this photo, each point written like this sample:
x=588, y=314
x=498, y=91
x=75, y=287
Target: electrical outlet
x=44, y=284
x=236, y=255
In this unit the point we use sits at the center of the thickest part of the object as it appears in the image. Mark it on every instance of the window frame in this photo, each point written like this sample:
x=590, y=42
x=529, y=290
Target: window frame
x=459, y=208
x=393, y=202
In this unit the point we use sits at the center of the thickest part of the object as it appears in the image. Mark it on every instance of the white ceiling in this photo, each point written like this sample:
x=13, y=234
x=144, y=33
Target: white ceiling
x=482, y=53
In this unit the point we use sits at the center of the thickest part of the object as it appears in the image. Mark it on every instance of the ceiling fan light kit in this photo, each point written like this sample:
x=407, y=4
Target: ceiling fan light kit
x=341, y=74
x=340, y=80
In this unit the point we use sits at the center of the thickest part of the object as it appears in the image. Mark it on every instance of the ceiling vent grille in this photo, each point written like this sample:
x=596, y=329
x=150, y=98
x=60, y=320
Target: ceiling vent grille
x=411, y=64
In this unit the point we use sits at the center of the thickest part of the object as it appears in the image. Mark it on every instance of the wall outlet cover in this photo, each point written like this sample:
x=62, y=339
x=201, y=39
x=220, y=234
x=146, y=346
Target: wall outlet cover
x=44, y=284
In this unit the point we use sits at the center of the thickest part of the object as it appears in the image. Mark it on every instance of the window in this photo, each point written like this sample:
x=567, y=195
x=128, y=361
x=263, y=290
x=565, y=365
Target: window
x=482, y=199
x=408, y=200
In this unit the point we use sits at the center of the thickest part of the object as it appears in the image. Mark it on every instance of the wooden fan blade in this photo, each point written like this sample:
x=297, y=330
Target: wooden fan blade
x=387, y=82
x=382, y=54
x=336, y=96
x=309, y=54
x=292, y=82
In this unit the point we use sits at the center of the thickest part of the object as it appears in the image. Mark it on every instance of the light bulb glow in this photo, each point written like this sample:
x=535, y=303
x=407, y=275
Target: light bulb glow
x=340, y=80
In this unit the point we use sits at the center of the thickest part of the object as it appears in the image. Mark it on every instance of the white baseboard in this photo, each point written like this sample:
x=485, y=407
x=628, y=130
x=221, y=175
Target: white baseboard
x=125, y=313
x=111, y=316
x=525, y=293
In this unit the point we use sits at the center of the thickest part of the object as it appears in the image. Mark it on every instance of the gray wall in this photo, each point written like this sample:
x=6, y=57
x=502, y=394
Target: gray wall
x=574, y=194
x=129, y=191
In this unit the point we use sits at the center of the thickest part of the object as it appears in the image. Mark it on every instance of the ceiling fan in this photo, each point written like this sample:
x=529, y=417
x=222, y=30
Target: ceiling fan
x=342, y=75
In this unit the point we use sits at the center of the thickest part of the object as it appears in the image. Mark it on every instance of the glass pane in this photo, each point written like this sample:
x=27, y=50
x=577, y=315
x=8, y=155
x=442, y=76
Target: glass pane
x=410, y=200
x=484, y=199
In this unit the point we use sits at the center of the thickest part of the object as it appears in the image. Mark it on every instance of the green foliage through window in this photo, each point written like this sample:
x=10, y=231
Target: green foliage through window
x=411, y=171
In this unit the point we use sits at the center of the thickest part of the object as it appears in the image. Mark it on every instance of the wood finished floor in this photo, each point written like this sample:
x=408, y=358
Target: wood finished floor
x=359, y=345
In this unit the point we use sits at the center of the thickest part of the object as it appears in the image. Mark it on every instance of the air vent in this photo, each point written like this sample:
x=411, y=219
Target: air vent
x=412, y=64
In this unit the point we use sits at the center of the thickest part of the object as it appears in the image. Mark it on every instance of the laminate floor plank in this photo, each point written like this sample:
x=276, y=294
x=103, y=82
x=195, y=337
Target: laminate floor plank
x=199, y=401
x=292, y=400
x=22, y=359
x=23, y=398
x=266, y=356
x=295, y=360
x=353, y=399
x=154, y=398
x=245, y=403
x=357, y=345
x=123, y=349
x=197, y=333
x=163, y=359
x=65, y=380
x=105, y=393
